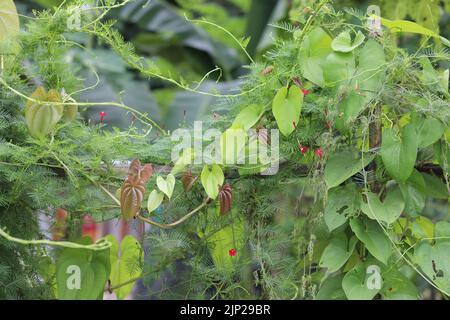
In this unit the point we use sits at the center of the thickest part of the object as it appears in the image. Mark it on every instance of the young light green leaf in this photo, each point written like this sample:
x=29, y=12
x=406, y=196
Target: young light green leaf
x=286, y=108
x=337, y=252
x=184, y=160
x=371, y=234
x=248, y=117
x=412, y=27
x=399, y=153
x=343, y=42
x=388, y=211
x=166, y=185
x=232, y=145
x=343, y=165
x=9, y=19
x=212, y=180
x=126, y=265
x=154, y=200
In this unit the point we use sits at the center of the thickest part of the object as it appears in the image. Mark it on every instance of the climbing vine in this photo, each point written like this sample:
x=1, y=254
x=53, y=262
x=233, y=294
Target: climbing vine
x=363, y=147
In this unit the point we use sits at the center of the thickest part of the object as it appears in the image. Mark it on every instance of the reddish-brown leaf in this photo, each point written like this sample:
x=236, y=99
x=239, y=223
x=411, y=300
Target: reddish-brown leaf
x=133, y=189
x=225, y=198
x=188, y=180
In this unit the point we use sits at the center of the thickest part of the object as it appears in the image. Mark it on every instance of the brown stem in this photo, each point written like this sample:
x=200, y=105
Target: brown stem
x=174, y=224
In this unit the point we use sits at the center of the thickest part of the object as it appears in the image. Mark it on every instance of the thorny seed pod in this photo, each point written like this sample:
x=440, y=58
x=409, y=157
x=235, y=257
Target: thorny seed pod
x=40, y=116
x=133, y=189
x=188, y=180
x=225, y=198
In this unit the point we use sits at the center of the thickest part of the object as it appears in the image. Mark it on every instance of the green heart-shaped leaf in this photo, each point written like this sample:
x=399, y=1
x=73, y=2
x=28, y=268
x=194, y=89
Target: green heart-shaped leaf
x=9, y=19
x=371, y=234
x=184, y=160
x=81, y=274
x=355, y=283
x=343, y=42
x=248, y=117
x=212, y=180
x=316, y=46
x=154, y=200
x=286, y=108
x=337, y=252
x=232, y=146
x=126, y=265
x=434, y=261
x=399, y=152
x=166, y=185
x=342, y=203
x=388, y=211
x=343, y=165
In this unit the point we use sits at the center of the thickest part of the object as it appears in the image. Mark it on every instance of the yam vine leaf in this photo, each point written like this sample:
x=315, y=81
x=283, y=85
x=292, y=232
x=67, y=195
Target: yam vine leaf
x=166, y=185
x=373, y=237
x=225, y=198
x=387, y=211
x=399, y=152
x=126, y=264
x=248, y=117
x=343, y=165
x=355, y=285
x=82, y=274
x=313, y=52
x=154, y=200
x=9, y=19
x=133, y=189
x=337, y=252
x=212, y=180
x=343, y=42
x=286, y=108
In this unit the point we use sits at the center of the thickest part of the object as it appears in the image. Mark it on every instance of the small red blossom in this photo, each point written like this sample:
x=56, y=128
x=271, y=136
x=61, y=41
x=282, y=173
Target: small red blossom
x=303, y=149
x=319, y=152
x=305, y=92
x=102, y=115
x=328, y=125
x=232, y=252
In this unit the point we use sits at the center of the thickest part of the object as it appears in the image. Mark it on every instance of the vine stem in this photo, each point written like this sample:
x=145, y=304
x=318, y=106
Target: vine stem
x=101, y=245
x=175, y=223
x=224, y=30
x=151, y=222
x=148, y=121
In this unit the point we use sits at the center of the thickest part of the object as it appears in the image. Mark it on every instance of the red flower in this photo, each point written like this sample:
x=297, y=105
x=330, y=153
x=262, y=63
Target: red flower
x=102, y=115
x=232, y=252
x=303, y=149
x=305, y=92
x=319, y=152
